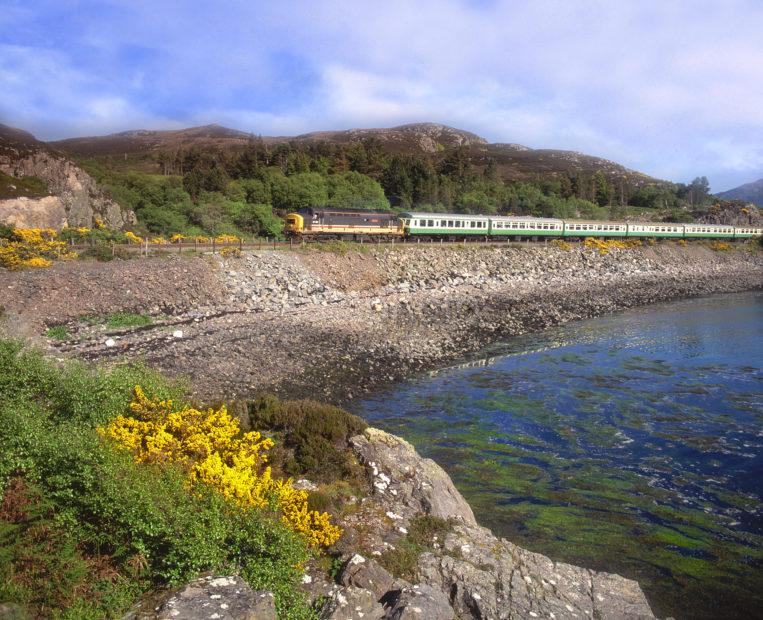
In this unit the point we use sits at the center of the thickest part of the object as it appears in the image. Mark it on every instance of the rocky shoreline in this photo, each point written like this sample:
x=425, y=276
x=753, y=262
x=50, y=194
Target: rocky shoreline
x=466, y=572
x=333, y=327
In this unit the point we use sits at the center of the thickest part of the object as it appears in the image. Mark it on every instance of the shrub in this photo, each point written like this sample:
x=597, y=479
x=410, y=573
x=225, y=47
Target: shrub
x=313, y=437
x=230, y=252
x=563, y=245
x=32, y=247
x=85, y=528
x=720, y=246
x=105, y=252
x=424, y=531
x=209, y=446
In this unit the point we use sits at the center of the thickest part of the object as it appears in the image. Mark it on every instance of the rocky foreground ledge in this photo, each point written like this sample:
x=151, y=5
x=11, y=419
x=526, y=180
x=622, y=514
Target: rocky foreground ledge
x=469, y=573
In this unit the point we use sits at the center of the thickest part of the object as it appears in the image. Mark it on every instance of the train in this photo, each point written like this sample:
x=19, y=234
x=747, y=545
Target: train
x=327, y=222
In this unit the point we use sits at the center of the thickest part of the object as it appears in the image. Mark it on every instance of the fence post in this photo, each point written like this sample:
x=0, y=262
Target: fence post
x=213, y=245
x=113, y=249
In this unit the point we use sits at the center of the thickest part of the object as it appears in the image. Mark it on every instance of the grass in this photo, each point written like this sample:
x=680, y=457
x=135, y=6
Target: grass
x=424, y=532
x=12, y=187
x=120, y=320
x=84, y=530
x=57, y=332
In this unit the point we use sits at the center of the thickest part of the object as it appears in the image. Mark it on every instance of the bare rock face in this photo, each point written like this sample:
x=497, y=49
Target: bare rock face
x=470, y=573
x=221, y=598
x=46, y=212
x=75, y=200
x=490, y=577
x=420, y=485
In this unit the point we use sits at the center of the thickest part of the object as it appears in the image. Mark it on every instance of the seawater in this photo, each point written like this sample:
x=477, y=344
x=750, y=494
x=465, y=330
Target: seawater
x=629, y=443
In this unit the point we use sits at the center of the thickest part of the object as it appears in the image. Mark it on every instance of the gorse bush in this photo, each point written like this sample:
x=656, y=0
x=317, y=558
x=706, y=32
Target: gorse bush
x=84, y=528
x=211, y=448
x=32, y=247
x=605, y=245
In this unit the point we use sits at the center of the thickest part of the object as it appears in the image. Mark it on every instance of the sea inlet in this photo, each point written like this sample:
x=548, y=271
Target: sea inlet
x=630, y=443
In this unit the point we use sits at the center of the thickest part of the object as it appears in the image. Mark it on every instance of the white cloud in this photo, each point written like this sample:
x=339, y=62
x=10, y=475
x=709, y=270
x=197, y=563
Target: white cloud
x=671, y=88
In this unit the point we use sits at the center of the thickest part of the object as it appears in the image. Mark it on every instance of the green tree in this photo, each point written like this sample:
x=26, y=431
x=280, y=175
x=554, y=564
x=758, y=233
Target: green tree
x=352, y=190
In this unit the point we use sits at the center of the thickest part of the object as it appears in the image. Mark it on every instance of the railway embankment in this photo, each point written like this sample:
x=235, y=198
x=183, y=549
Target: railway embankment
x=332, y=325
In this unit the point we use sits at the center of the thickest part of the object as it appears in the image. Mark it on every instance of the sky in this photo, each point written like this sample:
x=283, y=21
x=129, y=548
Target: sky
x=672, y=88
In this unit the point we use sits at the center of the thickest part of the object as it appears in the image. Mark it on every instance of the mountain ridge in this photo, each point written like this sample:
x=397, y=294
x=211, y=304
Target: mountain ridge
x=514, y=162
x=749, y=192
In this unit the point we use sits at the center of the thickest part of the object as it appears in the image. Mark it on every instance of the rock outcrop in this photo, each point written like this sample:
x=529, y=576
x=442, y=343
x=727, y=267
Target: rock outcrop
x=470, y=573
x=75, y=198
x=212, y=597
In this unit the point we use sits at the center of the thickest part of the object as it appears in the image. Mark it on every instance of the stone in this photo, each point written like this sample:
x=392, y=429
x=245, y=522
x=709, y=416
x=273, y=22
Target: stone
x=366, y=573
x=431, y=491
x=352, y=603
x=420, y=602
x=215, y=597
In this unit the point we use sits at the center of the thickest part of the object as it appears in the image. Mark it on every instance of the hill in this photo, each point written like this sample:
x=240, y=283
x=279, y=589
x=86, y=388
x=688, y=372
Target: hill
x=141, y=149
x=749, y=192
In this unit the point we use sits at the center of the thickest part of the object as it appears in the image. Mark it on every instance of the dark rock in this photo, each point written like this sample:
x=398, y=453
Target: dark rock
x=420, y=602
x=366, y=573
x=212, y=598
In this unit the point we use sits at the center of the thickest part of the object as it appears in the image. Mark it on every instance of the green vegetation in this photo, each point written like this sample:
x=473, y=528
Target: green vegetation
x=30, y=187
x=126, y=319
x=119, y=320
x=311, y=437
x=57, y=332
x=424, y=531
x=245, y=192
x=84, y=530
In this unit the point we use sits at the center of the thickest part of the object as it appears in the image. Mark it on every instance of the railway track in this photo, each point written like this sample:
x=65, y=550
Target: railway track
x=295, y=244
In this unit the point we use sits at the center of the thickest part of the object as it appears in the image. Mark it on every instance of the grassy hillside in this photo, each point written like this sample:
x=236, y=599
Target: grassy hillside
x=31, y=187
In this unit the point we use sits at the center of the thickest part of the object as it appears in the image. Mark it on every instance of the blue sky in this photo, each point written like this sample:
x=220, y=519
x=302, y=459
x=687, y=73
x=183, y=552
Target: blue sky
x=673, y=88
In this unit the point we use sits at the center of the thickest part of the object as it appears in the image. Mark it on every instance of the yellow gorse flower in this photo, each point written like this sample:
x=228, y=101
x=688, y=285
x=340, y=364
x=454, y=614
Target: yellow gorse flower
x=32, y=247
x=605, y=245
x=210, y=446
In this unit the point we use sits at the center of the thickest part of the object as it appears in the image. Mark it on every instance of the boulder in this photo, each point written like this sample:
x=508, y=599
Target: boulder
x=418, y=484
x=420, y=602
x=214, y=598
x=366, y=573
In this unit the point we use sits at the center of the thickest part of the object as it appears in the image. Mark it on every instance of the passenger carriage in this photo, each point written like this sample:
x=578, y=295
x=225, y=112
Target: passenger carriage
x=517, y=226
x=746, y=232
x=656, y=229
x=444, y=224
x=708, y=231
x=580, y=228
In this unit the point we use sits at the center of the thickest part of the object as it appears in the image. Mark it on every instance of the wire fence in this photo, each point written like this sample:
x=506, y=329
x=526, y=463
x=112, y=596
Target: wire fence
x=147, y=248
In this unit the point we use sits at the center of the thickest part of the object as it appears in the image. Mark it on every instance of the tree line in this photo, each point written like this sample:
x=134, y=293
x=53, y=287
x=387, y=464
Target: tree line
x=216, y=191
